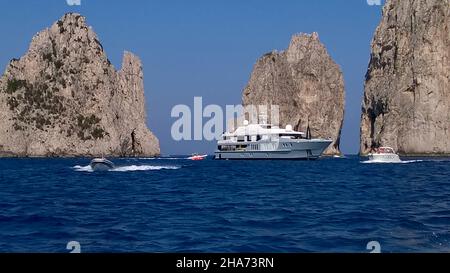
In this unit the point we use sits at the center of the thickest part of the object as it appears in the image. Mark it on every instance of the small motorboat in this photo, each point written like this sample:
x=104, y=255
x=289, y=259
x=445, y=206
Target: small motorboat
x=197, y=157
x=384, y=155
x=101, y=164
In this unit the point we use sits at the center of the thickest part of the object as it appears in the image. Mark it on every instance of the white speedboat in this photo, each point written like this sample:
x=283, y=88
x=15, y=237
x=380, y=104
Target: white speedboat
x=384, y=155
x=101, y=164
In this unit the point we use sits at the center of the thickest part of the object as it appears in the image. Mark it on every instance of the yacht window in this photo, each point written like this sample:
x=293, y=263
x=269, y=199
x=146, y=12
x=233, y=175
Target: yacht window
x=241, y=147
x=228, y=148
x=291, y=136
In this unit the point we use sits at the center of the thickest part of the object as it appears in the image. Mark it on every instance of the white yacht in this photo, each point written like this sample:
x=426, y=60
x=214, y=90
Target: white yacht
x=264, y=141
x=384, y=155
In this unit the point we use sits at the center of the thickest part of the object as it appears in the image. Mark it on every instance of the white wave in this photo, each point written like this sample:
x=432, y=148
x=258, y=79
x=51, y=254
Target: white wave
x=134, y=168
x=411, y=161
x=131, y=168
x=79, y=168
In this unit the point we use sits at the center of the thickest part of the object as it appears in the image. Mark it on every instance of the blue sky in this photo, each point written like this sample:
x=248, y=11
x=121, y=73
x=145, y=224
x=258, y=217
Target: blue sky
x=206, y=47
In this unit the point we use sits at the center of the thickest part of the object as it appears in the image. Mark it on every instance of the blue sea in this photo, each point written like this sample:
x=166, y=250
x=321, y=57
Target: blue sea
x=177, y=205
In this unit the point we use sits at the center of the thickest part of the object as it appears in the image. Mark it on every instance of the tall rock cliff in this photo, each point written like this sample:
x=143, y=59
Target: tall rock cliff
x=64, y=98
x=407, y=91
x=306, y=84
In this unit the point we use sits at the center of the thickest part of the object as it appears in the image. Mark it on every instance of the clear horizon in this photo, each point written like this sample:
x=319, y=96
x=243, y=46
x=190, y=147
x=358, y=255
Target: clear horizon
x=207, y=48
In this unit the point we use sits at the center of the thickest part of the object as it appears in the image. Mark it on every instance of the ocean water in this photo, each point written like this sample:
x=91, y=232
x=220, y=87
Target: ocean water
x=177, y=205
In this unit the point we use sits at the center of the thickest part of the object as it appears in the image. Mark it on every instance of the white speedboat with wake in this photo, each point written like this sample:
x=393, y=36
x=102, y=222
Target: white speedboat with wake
x=101, y=164
x=384, y=155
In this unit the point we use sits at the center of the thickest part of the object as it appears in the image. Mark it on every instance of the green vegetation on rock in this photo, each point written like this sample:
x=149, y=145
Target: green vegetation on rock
x=13, y=85
x=89, y=128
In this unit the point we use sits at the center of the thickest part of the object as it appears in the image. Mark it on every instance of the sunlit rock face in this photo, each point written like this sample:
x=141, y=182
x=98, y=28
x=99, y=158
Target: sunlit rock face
x=407, y=93
x=306, y=84
x=64, y=98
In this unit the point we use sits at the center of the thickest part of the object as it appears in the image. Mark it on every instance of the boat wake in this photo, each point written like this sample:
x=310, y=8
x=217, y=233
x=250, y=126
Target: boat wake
x=392, y=162
x=162, y=158
x=131, y=168
x=134, y=168
x=79, y=168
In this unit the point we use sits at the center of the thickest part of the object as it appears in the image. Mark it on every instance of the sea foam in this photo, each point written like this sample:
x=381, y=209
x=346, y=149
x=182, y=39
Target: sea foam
x=131, y=168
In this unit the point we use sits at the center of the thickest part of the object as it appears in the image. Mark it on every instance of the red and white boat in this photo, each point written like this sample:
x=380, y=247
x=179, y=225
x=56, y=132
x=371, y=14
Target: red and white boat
x=197, y=157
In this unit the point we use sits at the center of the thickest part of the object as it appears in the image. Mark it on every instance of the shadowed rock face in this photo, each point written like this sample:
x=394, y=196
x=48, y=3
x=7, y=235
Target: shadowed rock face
x=306, y=84
x=64, y=98
x=407, y=92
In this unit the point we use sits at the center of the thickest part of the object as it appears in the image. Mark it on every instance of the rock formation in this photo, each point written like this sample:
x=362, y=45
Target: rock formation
x=64, y=98
x=306, y=84
x=407, y=91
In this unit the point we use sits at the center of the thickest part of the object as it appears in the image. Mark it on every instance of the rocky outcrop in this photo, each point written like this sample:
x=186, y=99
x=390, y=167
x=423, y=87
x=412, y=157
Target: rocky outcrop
x=306, y=84
x=64, y=98
x=407, y=92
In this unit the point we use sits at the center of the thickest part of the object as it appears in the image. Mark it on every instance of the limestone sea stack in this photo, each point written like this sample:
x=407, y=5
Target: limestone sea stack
x=407, y=92
x=306, y=84
x=65, y=98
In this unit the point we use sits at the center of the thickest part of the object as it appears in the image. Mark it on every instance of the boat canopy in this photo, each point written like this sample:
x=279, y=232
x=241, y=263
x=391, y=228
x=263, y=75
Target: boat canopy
x=385, y=150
